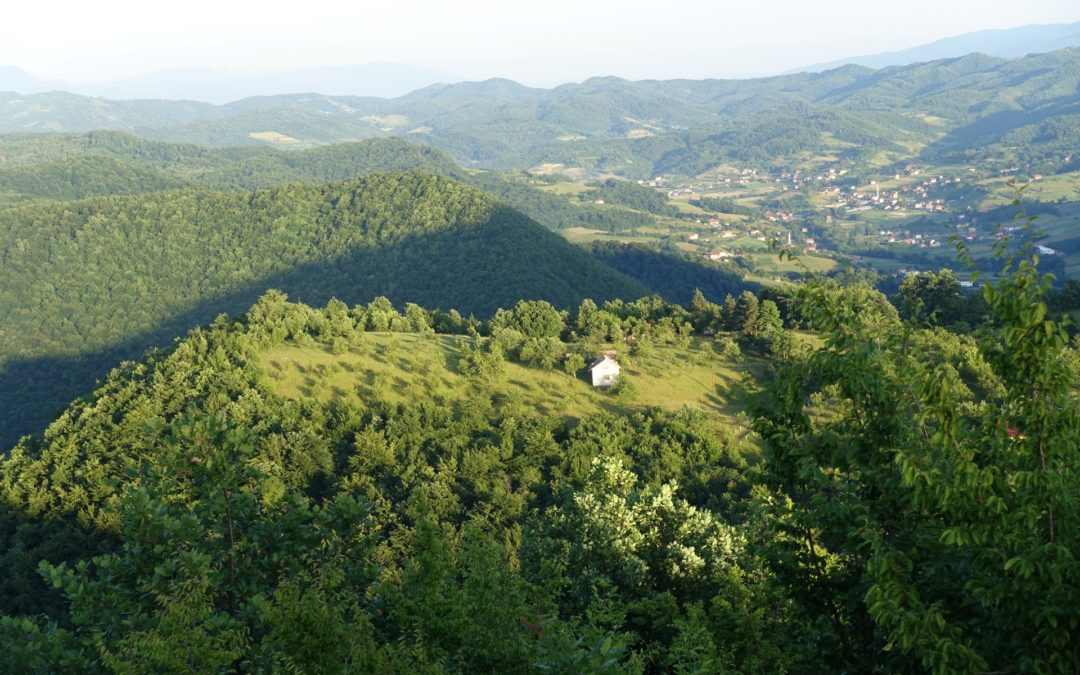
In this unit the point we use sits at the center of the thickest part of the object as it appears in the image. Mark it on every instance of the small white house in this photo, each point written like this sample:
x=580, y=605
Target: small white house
x=605, y=371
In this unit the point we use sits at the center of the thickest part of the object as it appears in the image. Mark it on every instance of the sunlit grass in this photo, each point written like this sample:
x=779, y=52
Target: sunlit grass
x=400, y=367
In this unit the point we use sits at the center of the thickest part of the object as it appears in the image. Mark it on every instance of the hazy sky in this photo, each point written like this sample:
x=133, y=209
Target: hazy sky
x=541, y=42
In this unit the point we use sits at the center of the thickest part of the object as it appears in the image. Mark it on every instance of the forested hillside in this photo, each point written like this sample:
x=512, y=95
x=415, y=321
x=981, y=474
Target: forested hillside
x=249, y=167
x=68, y=166
x=907, y=502
x=417, y=566
x=1004, y=108
x=309, y=383
x=84, y=176
x=84, y=284
x=674, y=278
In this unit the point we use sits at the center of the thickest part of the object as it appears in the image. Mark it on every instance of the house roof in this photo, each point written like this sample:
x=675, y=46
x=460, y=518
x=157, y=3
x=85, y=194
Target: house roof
x=605, y=358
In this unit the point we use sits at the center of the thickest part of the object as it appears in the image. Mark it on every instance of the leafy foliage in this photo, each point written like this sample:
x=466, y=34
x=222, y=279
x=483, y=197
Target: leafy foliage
x=921, y=491
x=637, y=197
x=240, y=530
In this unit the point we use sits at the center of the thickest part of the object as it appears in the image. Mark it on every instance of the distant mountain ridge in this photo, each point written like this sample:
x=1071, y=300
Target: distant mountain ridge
x=636, y=129
x=19, y=81
x=1000, y=42
x=219, y=86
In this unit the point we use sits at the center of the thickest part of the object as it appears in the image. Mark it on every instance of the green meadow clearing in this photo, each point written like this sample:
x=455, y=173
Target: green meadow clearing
x=396, y=367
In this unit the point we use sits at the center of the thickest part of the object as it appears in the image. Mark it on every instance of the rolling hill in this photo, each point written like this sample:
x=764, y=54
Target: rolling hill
x=349, y=427
x=83, y=176
x=89, y=282
x=634, y=129
x=64, y=166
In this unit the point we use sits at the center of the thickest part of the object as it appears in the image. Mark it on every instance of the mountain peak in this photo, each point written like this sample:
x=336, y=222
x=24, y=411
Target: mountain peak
x=495, y=87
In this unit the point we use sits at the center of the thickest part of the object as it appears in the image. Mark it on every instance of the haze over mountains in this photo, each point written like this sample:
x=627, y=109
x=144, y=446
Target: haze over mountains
x=218, y=86
x=385, y=79
x=1002, y=42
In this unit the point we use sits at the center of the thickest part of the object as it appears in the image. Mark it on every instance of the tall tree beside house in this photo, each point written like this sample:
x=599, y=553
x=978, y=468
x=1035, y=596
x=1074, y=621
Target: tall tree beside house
x=532, y=318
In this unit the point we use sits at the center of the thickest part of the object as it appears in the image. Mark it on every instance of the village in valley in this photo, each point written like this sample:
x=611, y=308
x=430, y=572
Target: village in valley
x=897, y=219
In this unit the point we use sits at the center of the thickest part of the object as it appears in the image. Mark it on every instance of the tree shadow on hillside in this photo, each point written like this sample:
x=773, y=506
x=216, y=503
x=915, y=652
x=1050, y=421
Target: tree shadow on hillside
x=473, y=269
x=24, y=542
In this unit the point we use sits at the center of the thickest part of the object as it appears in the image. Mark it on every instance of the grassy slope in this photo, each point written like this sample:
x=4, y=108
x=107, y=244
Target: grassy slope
x=395, y=366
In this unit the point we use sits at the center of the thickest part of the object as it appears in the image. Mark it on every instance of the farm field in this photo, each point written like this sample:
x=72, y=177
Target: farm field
x=771, y=263
x=1063, y=186
x=584, y=235
x=564, y=188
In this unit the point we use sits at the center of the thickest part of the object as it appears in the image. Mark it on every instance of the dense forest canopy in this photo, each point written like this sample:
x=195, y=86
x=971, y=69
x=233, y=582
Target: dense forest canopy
x=84, y=284
x=908, y=502
x=202, y=427
x=99, y=163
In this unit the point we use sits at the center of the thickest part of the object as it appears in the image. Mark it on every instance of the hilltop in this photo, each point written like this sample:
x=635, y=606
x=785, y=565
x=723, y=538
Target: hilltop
x=67, y=166
x=87, y=283
x=340, y=434
x=358, y=488
x=397, y=367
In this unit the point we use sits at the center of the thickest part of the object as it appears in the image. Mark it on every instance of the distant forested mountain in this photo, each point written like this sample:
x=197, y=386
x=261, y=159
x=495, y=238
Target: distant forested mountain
x=70, y=166
x=969, y=104
x=86, y=283
x=63, y=111
x=84, y=176
x=244, y=167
